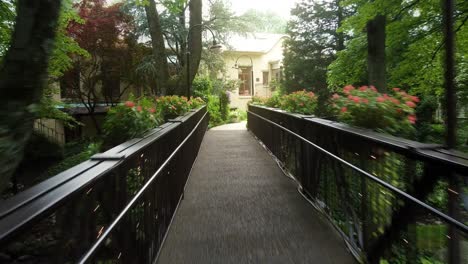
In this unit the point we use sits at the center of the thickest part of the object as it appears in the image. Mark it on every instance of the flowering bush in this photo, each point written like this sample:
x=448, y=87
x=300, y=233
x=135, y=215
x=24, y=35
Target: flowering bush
x=257, y=100
x=274, y=101
x=301, y=102
x=366, y=107
x=172, y=106
x=196, y=102
x=129, y=120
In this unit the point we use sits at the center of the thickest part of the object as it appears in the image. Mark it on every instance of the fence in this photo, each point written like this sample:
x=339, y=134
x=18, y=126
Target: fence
x=114, y=208
x=393, y=200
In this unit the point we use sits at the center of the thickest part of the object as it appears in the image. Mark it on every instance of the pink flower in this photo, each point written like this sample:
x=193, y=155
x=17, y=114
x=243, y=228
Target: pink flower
x=412, y=119
x=129, y=104
x=364, y=100
x=372, y=87
x=139, y=109
x=152, y=110
x=380, y=99
x=344, y=109
x=350, y=97
x=356, y=99
x=363, y=88
x=396, y=89
x=311, y=94
x=411, y=104
x=336, y=96
x=348, y=88
x=414, y=99
x=395, y=101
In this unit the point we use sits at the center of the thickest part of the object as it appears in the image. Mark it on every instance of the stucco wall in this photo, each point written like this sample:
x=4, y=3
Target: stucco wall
x=261, y=62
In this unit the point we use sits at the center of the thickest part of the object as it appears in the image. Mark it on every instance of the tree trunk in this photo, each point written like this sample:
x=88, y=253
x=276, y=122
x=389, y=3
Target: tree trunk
x=22, y=78
x=376, y=52
x=159, y=48
x=195, y=38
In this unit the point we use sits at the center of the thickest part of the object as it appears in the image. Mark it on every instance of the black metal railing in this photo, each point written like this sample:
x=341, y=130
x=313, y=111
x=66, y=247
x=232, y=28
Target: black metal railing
x=114, y=208
x=393, y=200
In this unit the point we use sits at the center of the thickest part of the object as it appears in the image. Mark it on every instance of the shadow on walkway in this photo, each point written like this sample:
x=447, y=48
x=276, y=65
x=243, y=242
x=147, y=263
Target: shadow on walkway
x=240, y=208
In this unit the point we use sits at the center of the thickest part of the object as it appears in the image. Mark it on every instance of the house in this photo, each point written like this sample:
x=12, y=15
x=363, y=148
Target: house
x=256, y=61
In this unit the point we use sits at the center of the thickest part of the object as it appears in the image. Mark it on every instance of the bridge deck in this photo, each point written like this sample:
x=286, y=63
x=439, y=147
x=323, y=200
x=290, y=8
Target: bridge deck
x=240, y=208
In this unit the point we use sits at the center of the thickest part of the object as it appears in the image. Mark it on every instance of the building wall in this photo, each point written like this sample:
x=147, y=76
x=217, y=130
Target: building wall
x=262, y=62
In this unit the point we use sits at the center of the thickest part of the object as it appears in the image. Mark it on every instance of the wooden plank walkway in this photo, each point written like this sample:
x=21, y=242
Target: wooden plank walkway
x=240, y=208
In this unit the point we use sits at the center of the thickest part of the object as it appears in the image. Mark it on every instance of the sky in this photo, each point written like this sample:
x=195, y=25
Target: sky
x=281, y=7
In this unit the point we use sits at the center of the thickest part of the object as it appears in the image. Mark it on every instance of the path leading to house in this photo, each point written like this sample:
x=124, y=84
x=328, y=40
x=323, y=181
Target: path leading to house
x=240, y=208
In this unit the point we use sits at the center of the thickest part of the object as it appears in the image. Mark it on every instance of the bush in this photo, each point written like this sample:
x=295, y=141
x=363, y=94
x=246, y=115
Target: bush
x=196, y=102
x=172, y=106
x=301, y=102
x=224, y=106
x=202, y=87
x=274, y=101
x=237, y=116
x=257, y=100
x=130, y=120
x=366, y=107
x=213, y=108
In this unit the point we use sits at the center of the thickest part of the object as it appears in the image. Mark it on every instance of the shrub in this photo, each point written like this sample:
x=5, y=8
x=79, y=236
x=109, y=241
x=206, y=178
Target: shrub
x=257, y=100
x=366, y=107
x=130, y=120
x=224, y=106
x=213, y=108
x=301, y=102
x=202, y=86
x=237, y=116
x=196, y=102
x=172, y=106
x=274, y=101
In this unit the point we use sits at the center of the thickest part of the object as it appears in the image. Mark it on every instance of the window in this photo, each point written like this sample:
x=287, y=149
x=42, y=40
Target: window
x=245, y=76
x=265, y=78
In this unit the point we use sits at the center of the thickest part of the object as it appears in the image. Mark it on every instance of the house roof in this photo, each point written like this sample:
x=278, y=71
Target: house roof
x=256, y=42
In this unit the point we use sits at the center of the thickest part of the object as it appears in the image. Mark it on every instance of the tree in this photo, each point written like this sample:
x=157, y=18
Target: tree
x=313, y=44
x=22, y=78
x=104, y=35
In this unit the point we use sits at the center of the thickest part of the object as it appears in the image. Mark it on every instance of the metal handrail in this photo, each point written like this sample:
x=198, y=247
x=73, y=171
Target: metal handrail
x=132, y=202
x=459, y=225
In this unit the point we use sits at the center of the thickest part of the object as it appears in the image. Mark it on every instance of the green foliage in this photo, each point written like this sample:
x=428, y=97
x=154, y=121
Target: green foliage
x=172, y=106
x=214, y=110
x=237, y=115
x=7, y=21
x=73, y=160
x=264, y=21
x=312, y=44
x=130, y=120
x=224, y=106
x=196, y=102
x=365, y=107
x=301, y=102
x=274, y=101
x=202, y=86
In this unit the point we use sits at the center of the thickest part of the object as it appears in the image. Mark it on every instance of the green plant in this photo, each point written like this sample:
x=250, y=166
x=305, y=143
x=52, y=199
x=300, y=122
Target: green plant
x=224, y=106
x=257, y=100
x=237, y=116
x=172, y=106
x=213, y=108
x=274, y=101
x=366, y=107
x=202, y=86
x=127, y=121
x=301, y=102
x=196, y=102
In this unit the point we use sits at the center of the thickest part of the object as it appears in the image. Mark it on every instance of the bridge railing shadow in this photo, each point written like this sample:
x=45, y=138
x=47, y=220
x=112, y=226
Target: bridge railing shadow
x=393, y=200
x=114, y=208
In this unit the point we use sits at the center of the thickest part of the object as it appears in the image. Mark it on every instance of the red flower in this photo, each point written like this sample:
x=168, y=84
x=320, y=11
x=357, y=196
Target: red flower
x=129, y=104
x=336, y=96
x=356, y=99
x=411, y=104
x=396, y=89
x=348, y=88
x=412, y=119
x=372, y=87
x=414, y=99
x=380, y=99
x=395, y=101
x=139, y=109
x=364, y=100
x=363, y=88
x=350, y=97
x=344, y=109
x=152, y=110
x=311, y=94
